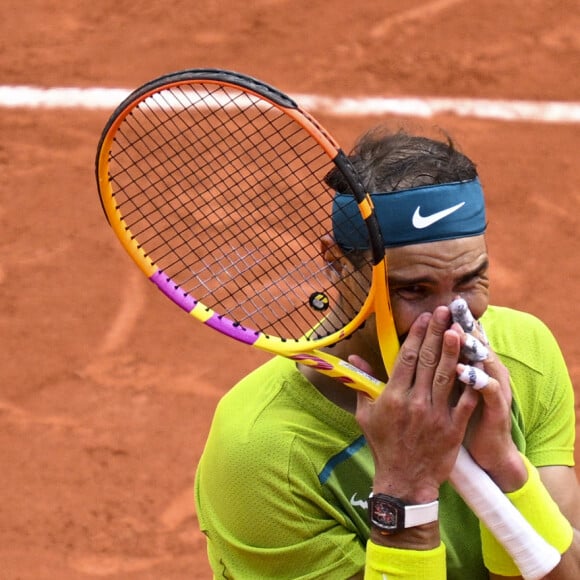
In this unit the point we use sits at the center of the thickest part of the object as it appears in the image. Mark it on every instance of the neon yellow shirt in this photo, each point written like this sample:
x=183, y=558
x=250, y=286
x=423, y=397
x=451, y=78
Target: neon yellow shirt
x=282, y=485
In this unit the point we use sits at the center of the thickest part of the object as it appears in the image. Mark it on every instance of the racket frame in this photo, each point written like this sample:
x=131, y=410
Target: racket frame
x=306, y=352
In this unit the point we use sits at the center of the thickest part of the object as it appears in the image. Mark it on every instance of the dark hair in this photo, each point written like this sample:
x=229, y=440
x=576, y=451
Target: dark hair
x=389, y=162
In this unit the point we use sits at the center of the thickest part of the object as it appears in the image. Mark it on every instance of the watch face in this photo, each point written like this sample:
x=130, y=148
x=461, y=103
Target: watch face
x=386, y=513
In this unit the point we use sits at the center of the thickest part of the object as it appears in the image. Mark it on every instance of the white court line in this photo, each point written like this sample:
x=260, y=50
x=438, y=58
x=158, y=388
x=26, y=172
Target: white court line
x=504, y=110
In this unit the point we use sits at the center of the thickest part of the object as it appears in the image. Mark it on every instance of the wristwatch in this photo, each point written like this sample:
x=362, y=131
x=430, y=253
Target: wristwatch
x=391, y=515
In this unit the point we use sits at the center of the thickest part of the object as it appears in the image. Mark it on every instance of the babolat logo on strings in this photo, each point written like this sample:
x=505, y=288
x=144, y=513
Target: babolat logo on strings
x=319, y=301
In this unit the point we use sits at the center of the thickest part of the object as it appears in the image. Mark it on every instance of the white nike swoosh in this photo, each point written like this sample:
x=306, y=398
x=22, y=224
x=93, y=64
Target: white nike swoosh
x=358, y=502
x=420, y=222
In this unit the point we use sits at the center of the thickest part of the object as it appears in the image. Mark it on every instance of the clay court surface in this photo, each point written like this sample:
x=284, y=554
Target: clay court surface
x=107, y=390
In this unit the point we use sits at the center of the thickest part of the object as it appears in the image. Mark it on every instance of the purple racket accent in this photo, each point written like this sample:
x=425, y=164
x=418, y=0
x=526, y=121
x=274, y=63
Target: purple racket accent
x=320, y=364
x=345, y=380
x=313, y=361
x=226, y=326
x=172, y=291
x=219, y=323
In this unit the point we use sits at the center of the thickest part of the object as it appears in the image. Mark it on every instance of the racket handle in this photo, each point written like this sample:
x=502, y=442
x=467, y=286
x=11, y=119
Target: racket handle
x=531, y=553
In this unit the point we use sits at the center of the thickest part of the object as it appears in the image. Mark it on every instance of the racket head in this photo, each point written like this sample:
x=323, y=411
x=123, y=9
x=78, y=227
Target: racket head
x=214, y=182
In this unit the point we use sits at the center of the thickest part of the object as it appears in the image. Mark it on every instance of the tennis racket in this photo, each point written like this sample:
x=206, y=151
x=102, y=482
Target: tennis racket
x=214, y=182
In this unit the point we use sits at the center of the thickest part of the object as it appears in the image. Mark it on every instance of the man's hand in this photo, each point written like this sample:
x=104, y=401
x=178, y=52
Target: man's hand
x=488, y=438
x=412, y=429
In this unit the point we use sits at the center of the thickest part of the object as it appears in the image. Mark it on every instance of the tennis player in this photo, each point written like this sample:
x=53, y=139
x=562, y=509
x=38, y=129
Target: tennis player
x=302, y=477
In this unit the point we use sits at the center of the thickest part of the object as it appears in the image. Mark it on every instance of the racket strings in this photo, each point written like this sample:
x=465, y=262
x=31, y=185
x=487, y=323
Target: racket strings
x=253, y=309
x=226, y=194
x=207, y=167
x=236, y=264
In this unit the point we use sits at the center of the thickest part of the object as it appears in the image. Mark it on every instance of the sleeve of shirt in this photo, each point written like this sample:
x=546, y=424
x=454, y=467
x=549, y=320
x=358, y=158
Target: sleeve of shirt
x=542, y=388
x=552, y=431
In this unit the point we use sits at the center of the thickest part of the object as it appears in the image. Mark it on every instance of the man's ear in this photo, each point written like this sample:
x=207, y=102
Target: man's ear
x=332, y=254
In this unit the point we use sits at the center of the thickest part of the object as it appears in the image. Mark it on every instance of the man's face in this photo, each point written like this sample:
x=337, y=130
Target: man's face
x=424, y=276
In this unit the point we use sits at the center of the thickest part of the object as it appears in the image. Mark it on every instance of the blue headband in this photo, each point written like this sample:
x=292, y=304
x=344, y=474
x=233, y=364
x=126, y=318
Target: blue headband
x=413, y=216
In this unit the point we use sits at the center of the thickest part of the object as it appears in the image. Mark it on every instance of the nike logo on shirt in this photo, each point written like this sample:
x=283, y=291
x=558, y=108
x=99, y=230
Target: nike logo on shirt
x=358, y=502
x=420, y=222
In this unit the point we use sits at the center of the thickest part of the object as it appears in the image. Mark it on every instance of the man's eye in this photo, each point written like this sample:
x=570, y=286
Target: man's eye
x=411, y=292
x=469, y=283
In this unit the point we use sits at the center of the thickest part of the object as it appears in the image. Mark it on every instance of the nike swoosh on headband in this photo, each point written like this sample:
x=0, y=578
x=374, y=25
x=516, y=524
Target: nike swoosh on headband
x=420, y=222
x=464, y=213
